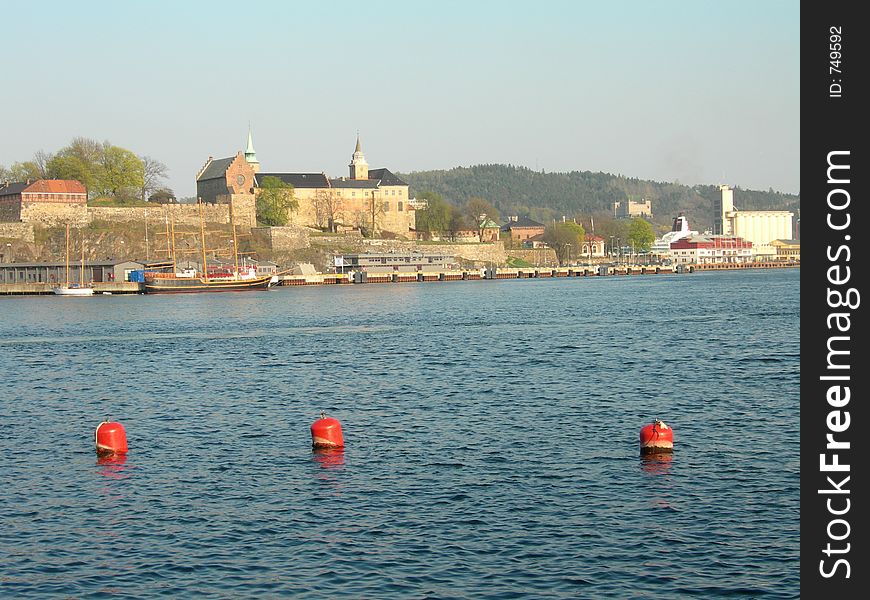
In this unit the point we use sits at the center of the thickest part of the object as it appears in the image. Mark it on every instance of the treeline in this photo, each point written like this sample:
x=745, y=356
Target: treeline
x=547, y=196
x=106, y=170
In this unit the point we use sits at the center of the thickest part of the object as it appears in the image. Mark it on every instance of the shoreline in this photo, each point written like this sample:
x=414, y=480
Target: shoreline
x=363, y=277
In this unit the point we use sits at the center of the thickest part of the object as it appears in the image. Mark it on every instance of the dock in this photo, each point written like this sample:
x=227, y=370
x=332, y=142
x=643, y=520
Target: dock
x=492, y=273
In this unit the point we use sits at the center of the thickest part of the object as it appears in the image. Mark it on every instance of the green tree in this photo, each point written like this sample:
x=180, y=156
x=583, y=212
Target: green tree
x=66, y=166
x=566, y=239
x=121, y=174
x=275, y=200
x=614, y=232
x=105, y=170
x=163, y=196
x=25, y=171
x=438, y=214
x=477, y=211
x=641, y=234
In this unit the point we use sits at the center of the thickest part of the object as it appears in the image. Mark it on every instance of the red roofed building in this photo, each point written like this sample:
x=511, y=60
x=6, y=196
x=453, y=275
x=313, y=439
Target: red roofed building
x=64, y=194
x=704, y=249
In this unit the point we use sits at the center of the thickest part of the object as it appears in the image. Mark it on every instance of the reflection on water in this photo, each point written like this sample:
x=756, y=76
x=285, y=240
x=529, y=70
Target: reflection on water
x=113, y=466
x=329, y=458
x=656, y=464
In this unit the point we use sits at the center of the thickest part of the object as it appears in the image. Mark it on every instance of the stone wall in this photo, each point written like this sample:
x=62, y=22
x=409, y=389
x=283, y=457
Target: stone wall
x=53, y=214
x=182, y=214
x=10, y=211
x=484, y=253
x=79, y=215
x=17, y=231
x=536, y=256
x=287, y=238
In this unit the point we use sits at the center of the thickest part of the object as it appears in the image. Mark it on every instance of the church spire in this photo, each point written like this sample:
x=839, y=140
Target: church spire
x=359, y=168
x=250, y=153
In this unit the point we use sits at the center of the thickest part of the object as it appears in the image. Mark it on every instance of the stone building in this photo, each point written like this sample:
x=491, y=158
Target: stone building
x=630, y=209
x=55, y=199
x=367, y=199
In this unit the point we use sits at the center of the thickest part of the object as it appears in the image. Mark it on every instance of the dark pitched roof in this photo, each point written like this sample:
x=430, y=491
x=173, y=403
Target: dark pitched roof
x=12, y=188
x=366, y=184
x=297, y=180
x=386, y=176
x=521, y=222
x=216, y=168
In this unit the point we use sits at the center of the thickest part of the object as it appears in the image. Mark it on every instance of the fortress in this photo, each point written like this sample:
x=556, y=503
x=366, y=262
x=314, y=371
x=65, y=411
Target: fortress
x=372, y=199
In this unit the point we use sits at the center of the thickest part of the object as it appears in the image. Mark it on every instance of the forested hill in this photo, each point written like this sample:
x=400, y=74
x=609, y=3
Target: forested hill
x=545, y=196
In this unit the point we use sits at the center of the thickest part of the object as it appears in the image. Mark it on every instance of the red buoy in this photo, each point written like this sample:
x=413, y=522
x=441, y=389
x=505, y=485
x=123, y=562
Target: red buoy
x=110, y=438
x=656, y=437
x=326, y=433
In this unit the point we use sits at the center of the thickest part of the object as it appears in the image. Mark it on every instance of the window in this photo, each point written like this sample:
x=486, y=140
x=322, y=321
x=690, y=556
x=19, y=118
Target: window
x=400, y=207
x=386, y=207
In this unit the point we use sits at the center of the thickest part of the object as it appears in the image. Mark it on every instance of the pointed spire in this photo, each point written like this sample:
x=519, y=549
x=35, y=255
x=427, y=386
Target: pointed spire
x=250, y=153
x=359, y=168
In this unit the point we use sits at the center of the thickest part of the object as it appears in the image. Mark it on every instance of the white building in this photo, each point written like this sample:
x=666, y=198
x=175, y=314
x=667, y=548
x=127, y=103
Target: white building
x=757, y=226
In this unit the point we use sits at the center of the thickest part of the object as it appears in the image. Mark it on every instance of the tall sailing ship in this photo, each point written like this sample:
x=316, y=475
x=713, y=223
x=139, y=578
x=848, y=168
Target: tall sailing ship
x=235, y=278
x=69, y=288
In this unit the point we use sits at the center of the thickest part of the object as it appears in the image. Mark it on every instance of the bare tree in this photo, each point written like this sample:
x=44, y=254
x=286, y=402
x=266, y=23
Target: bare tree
x=327, y=209
x=41, y=160
x=375, y=213
x=154, y=174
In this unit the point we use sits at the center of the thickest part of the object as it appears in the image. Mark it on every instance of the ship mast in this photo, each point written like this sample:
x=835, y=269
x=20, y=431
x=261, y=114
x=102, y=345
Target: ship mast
x=235, y=240
x=82, y=272
x=202, y=238
x=67, y=255
x=170, y=242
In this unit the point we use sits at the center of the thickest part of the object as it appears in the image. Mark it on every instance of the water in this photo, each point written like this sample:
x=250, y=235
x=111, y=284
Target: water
x=491, y=441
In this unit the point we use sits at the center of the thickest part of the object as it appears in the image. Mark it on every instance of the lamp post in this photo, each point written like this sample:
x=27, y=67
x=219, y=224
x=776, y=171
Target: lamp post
x=612, y=237
x=568, y=245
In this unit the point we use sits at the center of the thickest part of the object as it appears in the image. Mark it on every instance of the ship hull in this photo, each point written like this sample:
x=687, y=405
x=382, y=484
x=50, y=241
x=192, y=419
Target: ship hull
x=72, y=291
x=191, y=285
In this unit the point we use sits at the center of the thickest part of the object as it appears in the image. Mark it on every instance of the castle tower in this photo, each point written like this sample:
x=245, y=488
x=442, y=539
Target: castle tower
x=251, y=154
x=359, y=168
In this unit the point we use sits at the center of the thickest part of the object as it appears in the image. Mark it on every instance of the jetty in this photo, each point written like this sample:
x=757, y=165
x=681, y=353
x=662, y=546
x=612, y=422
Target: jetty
x=36, y=288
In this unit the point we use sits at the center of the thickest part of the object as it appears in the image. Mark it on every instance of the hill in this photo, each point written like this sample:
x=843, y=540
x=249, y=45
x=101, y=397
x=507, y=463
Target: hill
x=546, y=196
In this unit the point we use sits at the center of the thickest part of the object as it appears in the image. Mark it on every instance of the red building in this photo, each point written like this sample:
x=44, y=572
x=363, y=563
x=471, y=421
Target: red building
x=44, y=191
x=522, y=229
x=704, y=249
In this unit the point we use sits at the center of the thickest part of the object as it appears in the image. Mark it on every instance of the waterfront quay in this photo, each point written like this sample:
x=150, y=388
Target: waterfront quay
x=364, y=277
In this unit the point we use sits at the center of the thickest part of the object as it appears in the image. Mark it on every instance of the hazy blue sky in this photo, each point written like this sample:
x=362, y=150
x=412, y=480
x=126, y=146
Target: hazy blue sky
x=689, y=90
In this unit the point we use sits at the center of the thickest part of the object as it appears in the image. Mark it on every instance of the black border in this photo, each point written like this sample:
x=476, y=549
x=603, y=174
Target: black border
x=831, y=124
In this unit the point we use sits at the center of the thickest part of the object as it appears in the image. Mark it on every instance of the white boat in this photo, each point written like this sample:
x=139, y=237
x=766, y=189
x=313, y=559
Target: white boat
x=74, y=289
x=678, y=231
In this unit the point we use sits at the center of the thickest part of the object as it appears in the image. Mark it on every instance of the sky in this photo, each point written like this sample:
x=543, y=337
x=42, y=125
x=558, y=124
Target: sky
x=694, y=91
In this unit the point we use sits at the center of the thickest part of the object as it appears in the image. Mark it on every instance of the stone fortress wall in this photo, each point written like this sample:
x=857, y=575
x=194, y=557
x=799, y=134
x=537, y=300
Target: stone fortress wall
x=79, y=215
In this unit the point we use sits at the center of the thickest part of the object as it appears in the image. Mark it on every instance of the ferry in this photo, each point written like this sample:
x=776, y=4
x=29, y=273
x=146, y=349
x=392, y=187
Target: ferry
x=679, y=230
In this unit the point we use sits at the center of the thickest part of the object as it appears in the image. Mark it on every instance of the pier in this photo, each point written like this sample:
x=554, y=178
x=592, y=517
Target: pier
x=364, y=277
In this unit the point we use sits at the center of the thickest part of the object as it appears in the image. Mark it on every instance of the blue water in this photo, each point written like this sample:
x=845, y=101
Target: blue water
x=491, y=441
